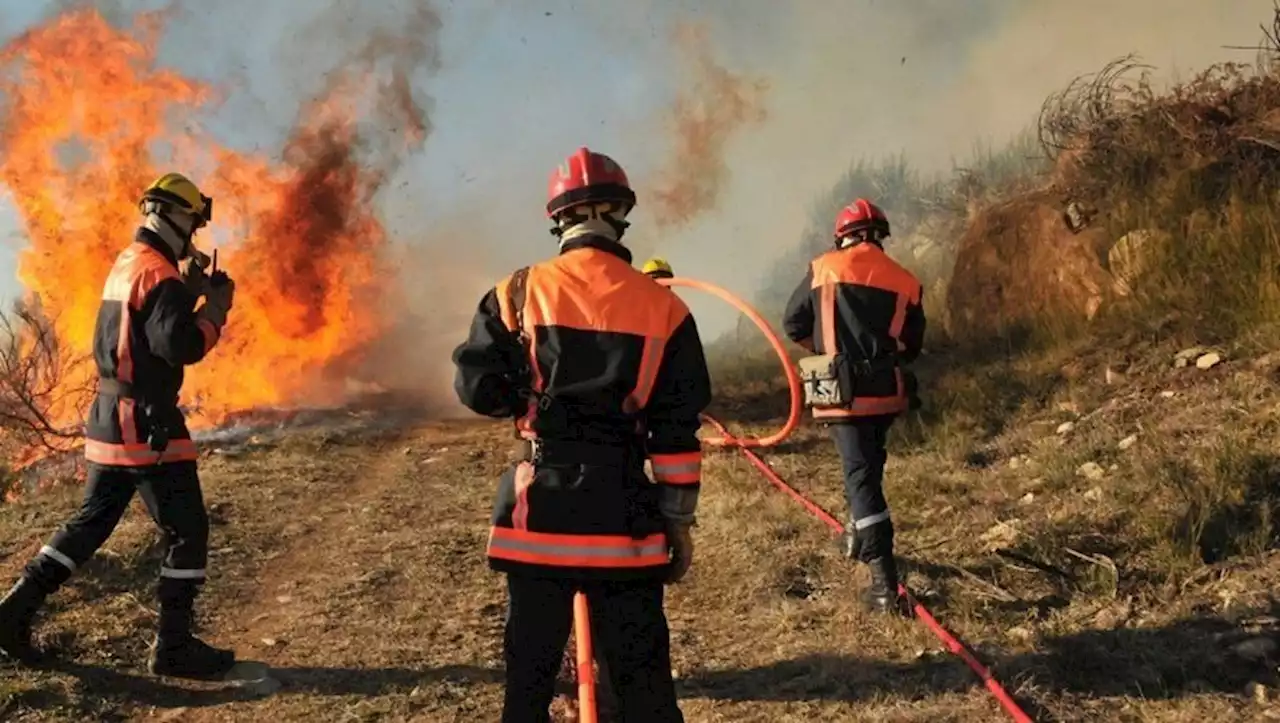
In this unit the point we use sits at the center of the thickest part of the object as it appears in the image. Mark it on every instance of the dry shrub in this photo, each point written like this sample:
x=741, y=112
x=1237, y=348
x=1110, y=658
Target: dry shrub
x=1196, y=169
x=45, y=389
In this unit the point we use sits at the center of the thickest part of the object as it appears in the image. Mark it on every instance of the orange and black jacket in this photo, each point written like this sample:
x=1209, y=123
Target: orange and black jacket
x=147, y=330
x=619, y=363
x=860, y=302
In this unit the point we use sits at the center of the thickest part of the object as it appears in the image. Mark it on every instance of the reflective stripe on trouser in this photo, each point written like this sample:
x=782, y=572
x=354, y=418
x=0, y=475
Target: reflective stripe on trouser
x=50, y=568
x=631, y=636
x=53, y=554
x=179, y=574
x=862, y=454
x=560, y=550
x=172, y=496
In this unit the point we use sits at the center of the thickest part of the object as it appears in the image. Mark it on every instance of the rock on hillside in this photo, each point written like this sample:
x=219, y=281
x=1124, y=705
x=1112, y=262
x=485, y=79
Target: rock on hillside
x=1018, y=262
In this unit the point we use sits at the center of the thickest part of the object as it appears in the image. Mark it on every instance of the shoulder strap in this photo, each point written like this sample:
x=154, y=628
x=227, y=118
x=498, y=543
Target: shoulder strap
x=516, y=297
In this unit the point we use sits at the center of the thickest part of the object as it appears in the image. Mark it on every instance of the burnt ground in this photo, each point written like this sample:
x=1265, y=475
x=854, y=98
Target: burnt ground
x=351, y=560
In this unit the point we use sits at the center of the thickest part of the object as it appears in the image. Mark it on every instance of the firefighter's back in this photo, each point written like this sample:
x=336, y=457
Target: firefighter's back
x=600, y=327
x=603, y=371
x=581, y=505
x=871, y=290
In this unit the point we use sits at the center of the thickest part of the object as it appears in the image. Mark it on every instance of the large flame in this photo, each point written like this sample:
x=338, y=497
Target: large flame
x=89, y=120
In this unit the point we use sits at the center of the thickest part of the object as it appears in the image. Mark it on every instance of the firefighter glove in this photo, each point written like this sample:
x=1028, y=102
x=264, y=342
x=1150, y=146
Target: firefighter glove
x=217, y=302
x=194, y=277
x=680, y=541
x=222, y=291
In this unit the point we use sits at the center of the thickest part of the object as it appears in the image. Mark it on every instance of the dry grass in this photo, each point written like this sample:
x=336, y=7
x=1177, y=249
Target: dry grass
x=353, y=564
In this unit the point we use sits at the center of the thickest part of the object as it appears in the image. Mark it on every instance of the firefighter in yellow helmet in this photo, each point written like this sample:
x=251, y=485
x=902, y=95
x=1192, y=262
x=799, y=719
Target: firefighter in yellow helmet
x=148, y=329
x=658, y=268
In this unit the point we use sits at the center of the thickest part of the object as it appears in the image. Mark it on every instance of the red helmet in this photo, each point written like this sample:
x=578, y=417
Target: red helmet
x=587, y=176
x=862, y=215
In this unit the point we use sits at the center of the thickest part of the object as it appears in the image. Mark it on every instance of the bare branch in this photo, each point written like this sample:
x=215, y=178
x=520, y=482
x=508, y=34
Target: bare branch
x=1089, y=104
x=45, y=388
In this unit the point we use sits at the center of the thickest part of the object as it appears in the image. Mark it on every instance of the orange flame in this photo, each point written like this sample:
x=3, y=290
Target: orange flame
x=89, y=120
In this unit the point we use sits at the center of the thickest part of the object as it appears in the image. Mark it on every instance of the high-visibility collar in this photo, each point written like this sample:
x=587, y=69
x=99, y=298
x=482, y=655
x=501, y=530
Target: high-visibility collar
x=599, y=243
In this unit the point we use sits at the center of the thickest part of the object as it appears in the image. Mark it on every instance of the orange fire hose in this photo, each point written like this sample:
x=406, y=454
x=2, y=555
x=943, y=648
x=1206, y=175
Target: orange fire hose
x=728, y=440
x=586, y=659
x=793, y=376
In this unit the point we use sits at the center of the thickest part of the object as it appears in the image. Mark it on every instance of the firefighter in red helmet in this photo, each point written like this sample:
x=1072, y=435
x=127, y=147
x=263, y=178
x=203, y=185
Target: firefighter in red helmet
x=860, y=313
x=602, y=369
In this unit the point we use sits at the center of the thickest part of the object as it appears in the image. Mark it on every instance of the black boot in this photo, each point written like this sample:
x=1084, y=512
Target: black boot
x=882, y=595
x=179, y=654
x=17, y=613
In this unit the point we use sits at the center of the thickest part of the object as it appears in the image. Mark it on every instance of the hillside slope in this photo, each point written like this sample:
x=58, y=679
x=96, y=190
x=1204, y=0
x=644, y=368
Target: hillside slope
x=352, y=562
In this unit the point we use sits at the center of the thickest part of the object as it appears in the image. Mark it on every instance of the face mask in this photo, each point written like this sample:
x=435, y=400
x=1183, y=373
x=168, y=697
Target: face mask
x=605, y=219
x=173, y=229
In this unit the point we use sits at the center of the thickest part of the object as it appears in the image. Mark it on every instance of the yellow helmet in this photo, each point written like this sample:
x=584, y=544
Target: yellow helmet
x=178, y=190
x=658, y=268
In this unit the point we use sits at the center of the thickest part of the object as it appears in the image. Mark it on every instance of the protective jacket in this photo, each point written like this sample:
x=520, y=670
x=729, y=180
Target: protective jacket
x=147, y=331
x=861, y=302
x=613, y=373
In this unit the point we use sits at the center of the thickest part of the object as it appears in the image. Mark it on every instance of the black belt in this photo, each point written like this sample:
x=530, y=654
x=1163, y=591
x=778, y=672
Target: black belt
x=124, y=390
x=864, y=367
x=562, y=452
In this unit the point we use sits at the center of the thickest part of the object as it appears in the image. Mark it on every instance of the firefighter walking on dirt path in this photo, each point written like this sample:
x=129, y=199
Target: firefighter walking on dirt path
x=859, y=304
x=147, y=330
x=601, y=369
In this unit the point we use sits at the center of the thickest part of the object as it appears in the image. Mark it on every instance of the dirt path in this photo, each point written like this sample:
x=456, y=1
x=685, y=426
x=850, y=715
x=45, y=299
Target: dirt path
x=307, y=564
x=341, y=612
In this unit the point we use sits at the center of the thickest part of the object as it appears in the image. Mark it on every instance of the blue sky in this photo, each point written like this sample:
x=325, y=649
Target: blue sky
x=524, y=83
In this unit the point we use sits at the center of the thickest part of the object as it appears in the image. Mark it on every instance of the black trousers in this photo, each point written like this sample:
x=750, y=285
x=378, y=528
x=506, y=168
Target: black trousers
x=172, y=495
x=630, y=634
x=861, y=444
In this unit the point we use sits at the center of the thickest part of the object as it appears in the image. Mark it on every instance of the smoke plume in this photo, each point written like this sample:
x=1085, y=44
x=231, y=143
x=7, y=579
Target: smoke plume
x=712, y=105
